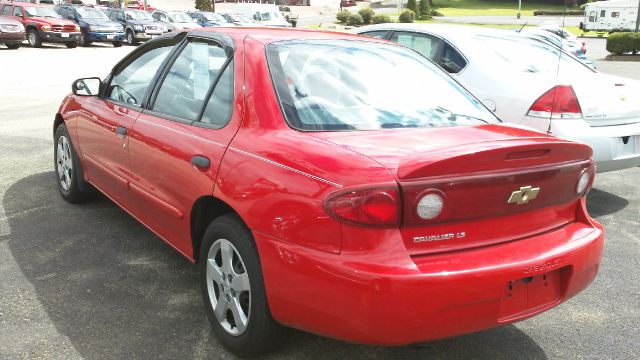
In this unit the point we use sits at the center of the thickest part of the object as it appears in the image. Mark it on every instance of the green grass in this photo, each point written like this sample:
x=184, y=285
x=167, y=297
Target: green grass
x=486, y=8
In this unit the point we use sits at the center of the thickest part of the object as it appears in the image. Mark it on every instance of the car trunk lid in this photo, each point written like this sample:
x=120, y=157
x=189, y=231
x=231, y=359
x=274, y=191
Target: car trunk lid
x=487, y=176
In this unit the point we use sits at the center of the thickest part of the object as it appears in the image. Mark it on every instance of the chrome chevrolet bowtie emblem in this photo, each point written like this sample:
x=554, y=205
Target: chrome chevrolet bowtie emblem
x=523, y=195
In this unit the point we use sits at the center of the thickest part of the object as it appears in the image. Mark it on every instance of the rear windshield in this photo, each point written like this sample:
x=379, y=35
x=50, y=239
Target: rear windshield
x=529, y=55
x=360, y=85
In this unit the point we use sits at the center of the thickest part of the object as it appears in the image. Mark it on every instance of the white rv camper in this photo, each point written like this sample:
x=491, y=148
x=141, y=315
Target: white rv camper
x=610, y=16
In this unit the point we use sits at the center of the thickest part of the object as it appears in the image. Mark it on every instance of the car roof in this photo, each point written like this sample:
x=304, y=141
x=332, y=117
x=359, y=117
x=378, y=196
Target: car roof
x=267, y=35
x=30, y=4
x=448, y=31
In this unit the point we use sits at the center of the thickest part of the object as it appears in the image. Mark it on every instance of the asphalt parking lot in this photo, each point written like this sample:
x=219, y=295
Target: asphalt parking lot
x=88, y=281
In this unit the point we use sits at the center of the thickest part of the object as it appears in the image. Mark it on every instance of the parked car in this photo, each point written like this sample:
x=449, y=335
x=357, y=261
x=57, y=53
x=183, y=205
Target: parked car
x=560, y=31
x=12, y=32
x=263, y=14
x=534, y=84
x=305, y=168
x=139, y=25
x=43, y=24
x=207, y=18
x=238, y=19
x=139, y=5
x=347, y=3
x=175, y=20
x=573, y=47
x=95, y=26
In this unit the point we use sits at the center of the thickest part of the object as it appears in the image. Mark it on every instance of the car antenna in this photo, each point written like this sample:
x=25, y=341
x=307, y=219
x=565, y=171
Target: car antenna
x=525, y=24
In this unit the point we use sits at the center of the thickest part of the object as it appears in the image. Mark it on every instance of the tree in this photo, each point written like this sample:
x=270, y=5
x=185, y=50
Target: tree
x=413, y=6
x=204, y=5
x=425, y=10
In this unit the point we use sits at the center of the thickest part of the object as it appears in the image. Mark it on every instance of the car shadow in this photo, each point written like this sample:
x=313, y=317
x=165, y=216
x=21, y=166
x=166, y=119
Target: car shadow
x=600, y=203
x=117, y=291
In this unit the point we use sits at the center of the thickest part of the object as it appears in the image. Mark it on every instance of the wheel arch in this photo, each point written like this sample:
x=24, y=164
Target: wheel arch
x=56, y=122
x=204, y=210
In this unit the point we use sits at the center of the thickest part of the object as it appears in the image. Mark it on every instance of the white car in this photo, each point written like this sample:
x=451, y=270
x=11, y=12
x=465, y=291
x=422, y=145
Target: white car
x=175, y=20
x=573, y=47
x=534, y=84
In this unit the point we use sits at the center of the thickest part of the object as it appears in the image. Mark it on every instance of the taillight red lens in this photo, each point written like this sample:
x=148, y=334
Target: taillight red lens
x=560, y=102
x=376, y=206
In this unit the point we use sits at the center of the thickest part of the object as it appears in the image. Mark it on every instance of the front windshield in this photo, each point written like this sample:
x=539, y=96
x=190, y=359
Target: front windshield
x=213, y=17
x=179, y=17
x=38, y=11
x=269, y=15
x=241, y=18
x=359, y=85
x=89, y=13
x=529, y=55
x=138, y=15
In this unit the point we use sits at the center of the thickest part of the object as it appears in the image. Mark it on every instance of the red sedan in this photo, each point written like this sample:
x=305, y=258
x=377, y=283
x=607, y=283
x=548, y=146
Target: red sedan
x=331, y=183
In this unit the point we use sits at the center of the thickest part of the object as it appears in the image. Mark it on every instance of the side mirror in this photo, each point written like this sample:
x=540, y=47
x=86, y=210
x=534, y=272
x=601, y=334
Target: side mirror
x=87, y=87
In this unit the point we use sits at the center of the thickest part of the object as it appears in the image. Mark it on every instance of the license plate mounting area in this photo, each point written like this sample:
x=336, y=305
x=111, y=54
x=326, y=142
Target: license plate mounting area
x=530, y=295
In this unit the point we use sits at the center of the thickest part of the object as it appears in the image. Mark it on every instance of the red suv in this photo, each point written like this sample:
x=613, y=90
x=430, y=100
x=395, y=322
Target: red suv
x=378, y=203
x=43, y=24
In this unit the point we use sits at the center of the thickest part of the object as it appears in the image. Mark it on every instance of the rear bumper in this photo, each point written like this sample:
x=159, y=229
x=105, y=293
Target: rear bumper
x=608, y=142
x=385, y=298
x=59, y=37
x=105, y=37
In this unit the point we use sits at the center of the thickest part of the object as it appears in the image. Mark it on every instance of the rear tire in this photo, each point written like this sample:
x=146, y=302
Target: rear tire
x=34, y=39
x=68, y=168
x=13, y=46
x=231, y=282
x=71, y=45
x=117, y=43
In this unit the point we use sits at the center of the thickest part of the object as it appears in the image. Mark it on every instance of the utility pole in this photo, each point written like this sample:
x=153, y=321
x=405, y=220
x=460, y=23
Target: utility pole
x=638, y=18
x=519, y=8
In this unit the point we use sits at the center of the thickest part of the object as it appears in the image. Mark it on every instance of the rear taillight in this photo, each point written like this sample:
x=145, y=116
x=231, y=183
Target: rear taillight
x=371, y=206
x=560, y=102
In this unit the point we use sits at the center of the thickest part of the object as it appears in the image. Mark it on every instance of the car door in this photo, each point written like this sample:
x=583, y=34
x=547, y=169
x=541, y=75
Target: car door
x=177, y=145
x=105, y=122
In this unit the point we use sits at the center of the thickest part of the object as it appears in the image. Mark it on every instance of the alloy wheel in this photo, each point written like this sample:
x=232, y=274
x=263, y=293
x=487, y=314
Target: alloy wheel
x=64, y=161
x=32, y=38
x=228, y=287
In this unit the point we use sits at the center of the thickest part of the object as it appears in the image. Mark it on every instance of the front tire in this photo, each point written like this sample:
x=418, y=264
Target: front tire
x=233, y=289
x=34, y=39
x=67, y=167
x=131, y=39
x=84, y=41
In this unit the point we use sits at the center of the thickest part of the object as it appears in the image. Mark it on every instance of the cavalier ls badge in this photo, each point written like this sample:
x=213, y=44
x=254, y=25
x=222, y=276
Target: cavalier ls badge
x=524, y=195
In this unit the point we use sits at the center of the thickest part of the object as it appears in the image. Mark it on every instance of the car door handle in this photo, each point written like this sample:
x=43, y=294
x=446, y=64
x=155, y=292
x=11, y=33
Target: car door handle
x=200, y=161
x=121, y=131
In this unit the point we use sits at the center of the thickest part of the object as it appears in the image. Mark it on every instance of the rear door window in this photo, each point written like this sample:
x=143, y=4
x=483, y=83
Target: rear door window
x=426, y=45
x=183, y=92
x=6, y=10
